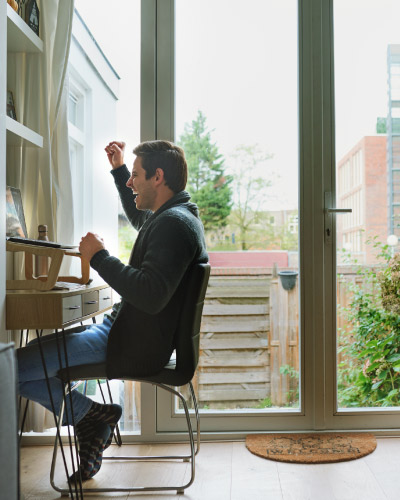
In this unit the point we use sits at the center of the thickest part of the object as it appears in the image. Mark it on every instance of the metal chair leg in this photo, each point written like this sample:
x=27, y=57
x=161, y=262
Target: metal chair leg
x=24, y=415
x=64, y=491
x=196, y=409
x=20, y=398
x=178, y=489
x=116, y=434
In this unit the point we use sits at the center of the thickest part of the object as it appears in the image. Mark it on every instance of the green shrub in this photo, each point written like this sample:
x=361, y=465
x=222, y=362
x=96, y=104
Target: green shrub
x=370, y=374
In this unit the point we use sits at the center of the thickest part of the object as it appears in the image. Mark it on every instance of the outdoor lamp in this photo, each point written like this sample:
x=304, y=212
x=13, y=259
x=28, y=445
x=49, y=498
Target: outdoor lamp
x=392, y=241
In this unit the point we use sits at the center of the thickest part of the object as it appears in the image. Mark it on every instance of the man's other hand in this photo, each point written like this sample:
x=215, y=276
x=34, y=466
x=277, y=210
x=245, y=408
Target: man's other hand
x=115, y=153
x=90, y=244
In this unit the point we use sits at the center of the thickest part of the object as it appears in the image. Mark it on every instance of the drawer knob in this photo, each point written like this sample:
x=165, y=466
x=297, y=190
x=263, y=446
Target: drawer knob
x=91, y=302
x=74, y=307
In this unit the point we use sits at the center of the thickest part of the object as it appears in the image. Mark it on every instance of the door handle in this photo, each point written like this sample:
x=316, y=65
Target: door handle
x=329, y=211
x=338, y=210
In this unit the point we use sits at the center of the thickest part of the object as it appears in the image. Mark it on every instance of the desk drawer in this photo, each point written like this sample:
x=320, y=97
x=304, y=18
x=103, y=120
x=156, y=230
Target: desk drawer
x=90, y=302
x=105, y=298
x=71, y=308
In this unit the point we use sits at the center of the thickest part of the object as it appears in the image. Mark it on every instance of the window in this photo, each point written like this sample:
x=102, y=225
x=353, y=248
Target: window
x=79, y=132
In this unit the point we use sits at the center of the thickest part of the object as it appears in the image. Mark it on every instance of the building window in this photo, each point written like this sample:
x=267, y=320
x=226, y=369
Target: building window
x=73, y=103
x=77, y=131
x=293, y=224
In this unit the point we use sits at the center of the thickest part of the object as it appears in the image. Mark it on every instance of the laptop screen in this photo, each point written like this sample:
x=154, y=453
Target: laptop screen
x=15, y=218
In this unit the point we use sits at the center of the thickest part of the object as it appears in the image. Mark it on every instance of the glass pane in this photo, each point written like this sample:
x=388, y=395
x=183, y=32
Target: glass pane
x=367, y=87
x=236, y=118
x=73, y=109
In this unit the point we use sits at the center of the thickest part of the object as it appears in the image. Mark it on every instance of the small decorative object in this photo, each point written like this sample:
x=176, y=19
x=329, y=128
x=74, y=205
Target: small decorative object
x=42, y=262
x=32, y=15
x=10, y=105
x=13, y=4
x=288, y=279
x=21, y=8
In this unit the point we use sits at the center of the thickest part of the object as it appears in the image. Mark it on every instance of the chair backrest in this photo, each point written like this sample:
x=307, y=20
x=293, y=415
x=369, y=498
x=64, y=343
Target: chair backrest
x=187, y=338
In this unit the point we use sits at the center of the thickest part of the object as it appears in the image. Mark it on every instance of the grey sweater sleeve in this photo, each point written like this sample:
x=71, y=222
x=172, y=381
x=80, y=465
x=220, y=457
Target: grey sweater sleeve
x=136, y=217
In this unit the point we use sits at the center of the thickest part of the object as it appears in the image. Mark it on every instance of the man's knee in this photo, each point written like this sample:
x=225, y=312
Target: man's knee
x=33, y=341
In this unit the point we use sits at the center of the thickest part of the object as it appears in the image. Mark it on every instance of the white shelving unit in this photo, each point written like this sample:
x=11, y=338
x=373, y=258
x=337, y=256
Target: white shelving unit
x=15, y=37
x=20, y=38
x=19, y=135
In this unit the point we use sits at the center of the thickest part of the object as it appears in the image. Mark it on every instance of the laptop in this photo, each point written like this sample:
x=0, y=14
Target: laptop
x=15, y=222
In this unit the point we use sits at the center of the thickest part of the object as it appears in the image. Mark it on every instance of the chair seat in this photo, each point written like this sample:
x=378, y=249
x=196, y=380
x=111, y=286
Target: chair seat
x=169, y=375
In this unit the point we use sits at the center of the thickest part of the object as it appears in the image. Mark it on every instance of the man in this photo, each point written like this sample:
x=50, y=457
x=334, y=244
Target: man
x=138, y=337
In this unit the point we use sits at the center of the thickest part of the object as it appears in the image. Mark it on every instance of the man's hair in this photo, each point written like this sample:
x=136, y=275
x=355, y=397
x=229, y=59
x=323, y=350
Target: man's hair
x=167, y=156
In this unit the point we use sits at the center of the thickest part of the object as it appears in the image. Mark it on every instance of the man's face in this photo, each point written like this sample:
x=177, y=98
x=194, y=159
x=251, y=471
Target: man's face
x=141, y=186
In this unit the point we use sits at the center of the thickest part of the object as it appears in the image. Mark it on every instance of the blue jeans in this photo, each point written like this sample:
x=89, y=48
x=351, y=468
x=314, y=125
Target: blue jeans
x=85, y=347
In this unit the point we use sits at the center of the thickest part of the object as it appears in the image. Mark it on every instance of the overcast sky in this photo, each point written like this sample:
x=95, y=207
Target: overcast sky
x=237, y=62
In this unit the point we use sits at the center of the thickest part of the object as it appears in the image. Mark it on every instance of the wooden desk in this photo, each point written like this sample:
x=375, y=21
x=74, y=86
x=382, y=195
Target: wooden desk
x=55, y=309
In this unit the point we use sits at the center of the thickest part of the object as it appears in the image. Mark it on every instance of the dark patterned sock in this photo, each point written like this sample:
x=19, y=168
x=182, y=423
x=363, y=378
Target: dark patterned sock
x=91, y=453
x=98, y=413
x=95, y=432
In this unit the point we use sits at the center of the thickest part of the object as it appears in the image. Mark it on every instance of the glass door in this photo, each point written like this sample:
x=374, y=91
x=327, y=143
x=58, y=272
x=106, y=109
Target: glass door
x=367, y=98
x=236, y=116
x=233, y=70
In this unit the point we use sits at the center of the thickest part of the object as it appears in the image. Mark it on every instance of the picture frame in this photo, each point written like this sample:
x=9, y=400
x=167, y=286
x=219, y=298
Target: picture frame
x=11, y=106
x=15, y=218
x=32, y=16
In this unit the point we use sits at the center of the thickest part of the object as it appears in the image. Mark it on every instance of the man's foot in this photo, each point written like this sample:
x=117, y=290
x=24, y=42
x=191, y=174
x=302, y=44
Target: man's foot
x=91, y=454
x=98, y=413
x=95, y=433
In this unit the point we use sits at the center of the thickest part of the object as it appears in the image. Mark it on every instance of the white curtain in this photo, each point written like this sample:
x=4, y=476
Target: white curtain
x=40, y=86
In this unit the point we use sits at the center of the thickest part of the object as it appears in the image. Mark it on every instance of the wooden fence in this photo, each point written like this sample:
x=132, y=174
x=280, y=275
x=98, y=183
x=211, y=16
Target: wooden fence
x=249, y=346
x=245, y=339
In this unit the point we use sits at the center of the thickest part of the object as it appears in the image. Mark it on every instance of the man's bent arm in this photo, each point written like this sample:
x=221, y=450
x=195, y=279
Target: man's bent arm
x=150, y=288
x=136, y=217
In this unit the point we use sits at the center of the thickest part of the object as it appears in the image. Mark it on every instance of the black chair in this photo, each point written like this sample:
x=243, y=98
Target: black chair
x=177, y=373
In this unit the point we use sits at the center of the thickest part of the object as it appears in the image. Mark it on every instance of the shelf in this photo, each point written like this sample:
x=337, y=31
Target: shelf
x=20, y=37
x=19, y=135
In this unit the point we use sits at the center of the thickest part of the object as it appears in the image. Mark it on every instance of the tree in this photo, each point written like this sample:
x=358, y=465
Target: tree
x=208, y=184
x=250, y=190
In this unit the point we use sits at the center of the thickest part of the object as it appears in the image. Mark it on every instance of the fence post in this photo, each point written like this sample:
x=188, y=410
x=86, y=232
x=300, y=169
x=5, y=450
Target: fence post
x=283, y=340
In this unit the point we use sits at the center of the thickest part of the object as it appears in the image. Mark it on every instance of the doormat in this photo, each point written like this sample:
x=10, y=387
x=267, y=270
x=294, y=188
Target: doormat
x=315, y=448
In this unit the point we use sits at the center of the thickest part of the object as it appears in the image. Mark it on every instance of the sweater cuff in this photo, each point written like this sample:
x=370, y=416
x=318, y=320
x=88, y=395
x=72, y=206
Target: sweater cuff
x=98, y=258
x=120, y=172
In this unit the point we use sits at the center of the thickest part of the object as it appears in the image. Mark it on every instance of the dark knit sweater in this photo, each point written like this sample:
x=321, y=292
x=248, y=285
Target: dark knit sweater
x=169, y=242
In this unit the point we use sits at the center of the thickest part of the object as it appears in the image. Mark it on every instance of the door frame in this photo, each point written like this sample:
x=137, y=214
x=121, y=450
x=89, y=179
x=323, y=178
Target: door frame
x=318, y=406
x=159, y=123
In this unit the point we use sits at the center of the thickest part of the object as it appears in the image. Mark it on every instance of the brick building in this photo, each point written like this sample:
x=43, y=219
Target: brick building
x=362, y=186
x=393, y=135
